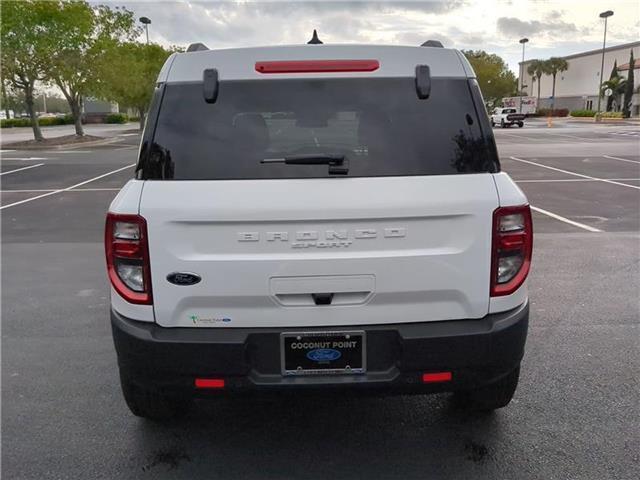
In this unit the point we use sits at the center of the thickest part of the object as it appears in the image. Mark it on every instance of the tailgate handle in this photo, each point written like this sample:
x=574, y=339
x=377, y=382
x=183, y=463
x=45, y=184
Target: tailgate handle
x=322, y=298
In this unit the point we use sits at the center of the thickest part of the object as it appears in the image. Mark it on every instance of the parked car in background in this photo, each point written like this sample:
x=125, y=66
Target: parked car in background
x=505, y=117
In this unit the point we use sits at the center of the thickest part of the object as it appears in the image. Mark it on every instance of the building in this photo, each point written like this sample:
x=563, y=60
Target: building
x=578, y=87
x=95, y=110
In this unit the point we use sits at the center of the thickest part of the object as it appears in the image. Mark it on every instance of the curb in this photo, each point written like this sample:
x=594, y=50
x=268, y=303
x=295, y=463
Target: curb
x=67, y=146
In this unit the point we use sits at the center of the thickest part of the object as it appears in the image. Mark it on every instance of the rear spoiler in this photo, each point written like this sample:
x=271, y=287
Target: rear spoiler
x=210, y=81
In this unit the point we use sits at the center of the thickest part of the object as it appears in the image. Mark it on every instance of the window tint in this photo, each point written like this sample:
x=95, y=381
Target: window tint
x=378, y=124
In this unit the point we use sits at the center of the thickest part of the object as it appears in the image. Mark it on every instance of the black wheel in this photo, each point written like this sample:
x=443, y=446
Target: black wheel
x=493, y=124
x=489, y=397
x=502, y=124
x=520, y=124
x=153, y=404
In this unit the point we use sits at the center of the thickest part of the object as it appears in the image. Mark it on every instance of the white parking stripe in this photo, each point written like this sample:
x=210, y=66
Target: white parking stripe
x=53, y=189
x=560, y=180
x=21, y=169
x=6, y=151
x=565, y=220
x=621, y=159
x=574, y=173
x=66, y=189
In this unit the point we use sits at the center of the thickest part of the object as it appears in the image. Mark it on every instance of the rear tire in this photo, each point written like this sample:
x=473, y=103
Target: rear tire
x=493, y=124
x=520, y=124
x=153, y=404
x=489, y=397
x=502, y=124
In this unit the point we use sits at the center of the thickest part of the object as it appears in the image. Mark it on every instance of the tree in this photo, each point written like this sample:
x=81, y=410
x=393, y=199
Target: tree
x=628, y=92
x=617, y=86
x=83, y=33
x=494, y=77
x=554, y=66
x=128, y=74
x=536, y=69
x=614, y=74
x=24, y=34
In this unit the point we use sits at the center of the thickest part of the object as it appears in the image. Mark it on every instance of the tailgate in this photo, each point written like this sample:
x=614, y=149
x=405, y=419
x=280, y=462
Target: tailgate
x=320, y=252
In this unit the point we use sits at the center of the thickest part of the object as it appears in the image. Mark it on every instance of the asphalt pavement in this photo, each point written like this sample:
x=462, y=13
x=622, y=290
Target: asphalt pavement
x=575, y=414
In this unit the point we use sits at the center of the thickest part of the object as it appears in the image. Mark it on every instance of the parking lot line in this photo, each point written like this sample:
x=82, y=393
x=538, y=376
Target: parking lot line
x=621, y=159
x=557, y=180
x=566, y=220
x=575, y=173
x=66, y=189
x=20, y=169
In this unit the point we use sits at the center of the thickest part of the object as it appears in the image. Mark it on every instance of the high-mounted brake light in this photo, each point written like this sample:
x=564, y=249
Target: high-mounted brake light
x=127, y=252
x=512, y=246
x=317, y=66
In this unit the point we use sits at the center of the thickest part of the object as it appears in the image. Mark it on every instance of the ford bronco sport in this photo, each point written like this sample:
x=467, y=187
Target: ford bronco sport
x=316, y=217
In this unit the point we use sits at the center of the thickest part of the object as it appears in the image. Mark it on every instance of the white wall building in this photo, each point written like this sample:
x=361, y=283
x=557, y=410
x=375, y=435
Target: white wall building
x=578, y=87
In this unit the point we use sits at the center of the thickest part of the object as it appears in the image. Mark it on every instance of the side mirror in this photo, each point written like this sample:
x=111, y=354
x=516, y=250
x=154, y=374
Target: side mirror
x=210, y=85
x=423, y=81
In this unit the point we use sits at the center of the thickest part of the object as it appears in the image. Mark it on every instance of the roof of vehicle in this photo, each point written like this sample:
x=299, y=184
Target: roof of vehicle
x=239, y=63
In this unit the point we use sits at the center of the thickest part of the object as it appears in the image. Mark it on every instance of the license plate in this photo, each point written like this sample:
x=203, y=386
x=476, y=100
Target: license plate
x=323, y=353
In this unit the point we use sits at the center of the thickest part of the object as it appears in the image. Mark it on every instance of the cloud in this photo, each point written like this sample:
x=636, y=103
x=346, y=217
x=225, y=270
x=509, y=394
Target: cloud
x=226, y=23
x=514, y=27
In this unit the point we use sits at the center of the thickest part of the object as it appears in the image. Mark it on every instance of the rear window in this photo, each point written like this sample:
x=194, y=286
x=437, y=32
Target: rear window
x=379, y=125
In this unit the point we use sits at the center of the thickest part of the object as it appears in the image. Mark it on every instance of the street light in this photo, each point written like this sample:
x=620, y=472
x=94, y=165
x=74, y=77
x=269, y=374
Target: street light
x=522, y=41
x=604, y=15
x=146, y=22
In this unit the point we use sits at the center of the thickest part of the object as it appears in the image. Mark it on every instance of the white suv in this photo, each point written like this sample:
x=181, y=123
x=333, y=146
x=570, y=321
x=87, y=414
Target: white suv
x=318, y=217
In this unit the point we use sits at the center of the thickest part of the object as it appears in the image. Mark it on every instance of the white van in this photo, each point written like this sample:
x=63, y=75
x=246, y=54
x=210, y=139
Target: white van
x=318, y=217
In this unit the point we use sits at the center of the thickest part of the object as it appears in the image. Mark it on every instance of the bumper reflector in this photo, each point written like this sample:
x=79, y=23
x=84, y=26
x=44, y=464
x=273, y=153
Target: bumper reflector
x=209, y=382
x=436, y=377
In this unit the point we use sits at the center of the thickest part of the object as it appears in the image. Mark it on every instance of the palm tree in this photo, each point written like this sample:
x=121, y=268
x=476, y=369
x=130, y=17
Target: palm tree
x=617, y=86
x=554, y=66
x=536, y=69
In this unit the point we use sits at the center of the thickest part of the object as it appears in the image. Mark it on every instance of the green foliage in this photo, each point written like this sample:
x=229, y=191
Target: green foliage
x=15, y=122
x=617, y=85
x=612, y=115
x=25, y=35
x=44, y=122
x=81, y=35
x=537, y=69
x=494, y=77
x=116, y=118
x=583, y=113
x=128, y=74
x=628, y=91
x=552, y=67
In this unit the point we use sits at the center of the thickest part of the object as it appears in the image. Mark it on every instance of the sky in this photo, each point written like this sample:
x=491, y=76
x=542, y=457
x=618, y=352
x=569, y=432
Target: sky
x=554, y=28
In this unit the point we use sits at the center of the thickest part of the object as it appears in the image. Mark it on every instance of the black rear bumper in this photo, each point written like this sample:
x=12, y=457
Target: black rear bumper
x=477, y=352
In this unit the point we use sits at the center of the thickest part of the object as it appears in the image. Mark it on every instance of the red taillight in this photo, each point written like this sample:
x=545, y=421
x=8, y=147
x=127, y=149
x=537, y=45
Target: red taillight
x=209, y=383
x=436, y=377
x=511, y=249
x=127, y=252
x=317, y=66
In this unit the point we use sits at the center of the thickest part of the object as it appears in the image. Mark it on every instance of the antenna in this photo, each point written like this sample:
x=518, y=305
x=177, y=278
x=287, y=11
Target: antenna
x=314, y=39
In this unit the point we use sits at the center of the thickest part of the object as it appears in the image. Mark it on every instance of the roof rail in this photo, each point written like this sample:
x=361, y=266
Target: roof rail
x=433, y=43
x=197, y=47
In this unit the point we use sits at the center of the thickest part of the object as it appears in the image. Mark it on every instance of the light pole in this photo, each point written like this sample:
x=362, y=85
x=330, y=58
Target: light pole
x=604, y=15
x=146, y=21
x=522, y=41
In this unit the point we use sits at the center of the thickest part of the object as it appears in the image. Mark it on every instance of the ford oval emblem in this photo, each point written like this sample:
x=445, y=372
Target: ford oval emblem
x=183, y=278
x=323, y=355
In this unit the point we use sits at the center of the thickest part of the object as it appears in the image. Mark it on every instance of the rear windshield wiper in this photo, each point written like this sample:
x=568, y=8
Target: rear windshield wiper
x=338, y=164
